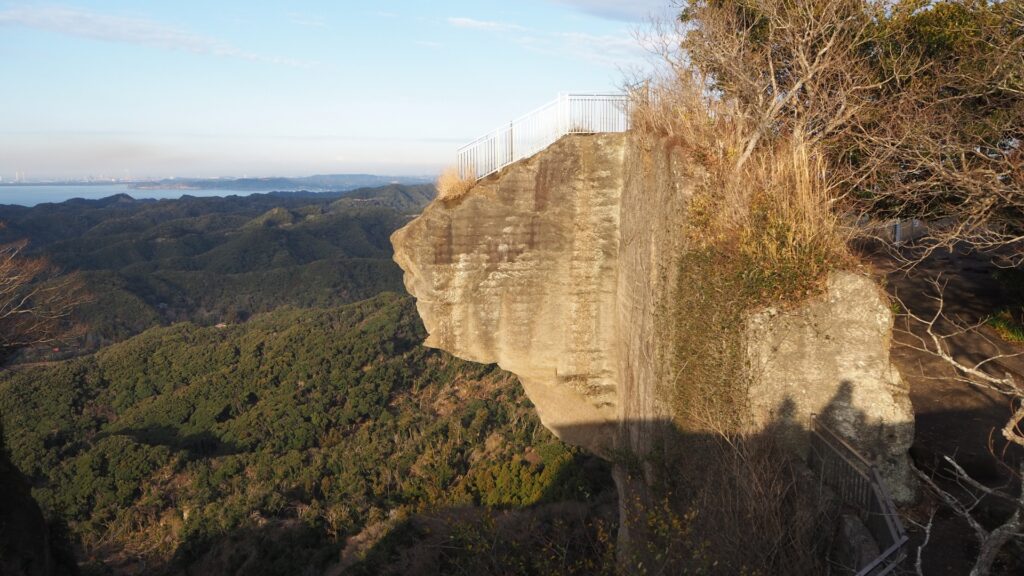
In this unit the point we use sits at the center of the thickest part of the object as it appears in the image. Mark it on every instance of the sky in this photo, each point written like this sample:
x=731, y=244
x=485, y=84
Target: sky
x=157, y=89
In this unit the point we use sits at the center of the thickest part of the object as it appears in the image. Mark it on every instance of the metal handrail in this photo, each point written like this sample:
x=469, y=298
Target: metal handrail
x=859, y=484
x=536, y=130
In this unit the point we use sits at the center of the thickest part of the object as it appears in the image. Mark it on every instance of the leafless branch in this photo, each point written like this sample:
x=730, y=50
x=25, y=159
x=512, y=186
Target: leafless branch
x=35, y=300
x=909, y=132
x=939, y=329
x=919, y=564
x=990, y=542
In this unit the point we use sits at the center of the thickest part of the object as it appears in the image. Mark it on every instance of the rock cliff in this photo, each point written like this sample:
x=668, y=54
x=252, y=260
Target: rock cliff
x=522, y=272
x=830, y=357
x=558, y=269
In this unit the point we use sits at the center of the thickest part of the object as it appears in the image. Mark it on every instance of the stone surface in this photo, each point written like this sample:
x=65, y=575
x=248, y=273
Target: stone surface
x=521, y=272
x=656, y=191
x=830, y=356
x=654, y=199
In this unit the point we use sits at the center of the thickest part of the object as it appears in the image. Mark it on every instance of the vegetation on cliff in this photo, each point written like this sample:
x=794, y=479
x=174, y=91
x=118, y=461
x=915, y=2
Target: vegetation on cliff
x=801, y=122
x=915, y=109
x=451, y=185
x=863, y=114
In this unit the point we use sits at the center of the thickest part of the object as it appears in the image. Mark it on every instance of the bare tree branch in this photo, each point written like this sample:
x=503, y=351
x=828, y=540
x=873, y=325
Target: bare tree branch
x=35, y=300
x=935, y=342
x=919, y=563
x=990, y=542
x=919, y=108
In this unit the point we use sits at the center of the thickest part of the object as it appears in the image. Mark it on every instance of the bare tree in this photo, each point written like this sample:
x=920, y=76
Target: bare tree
x=917, y=107
x=934, y=335
x=35, y=300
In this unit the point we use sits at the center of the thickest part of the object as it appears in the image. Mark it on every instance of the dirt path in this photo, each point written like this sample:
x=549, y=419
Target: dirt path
x=954, y=418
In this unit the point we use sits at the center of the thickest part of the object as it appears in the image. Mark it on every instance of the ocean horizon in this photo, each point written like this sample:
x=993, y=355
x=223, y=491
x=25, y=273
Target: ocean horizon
x=32, y=195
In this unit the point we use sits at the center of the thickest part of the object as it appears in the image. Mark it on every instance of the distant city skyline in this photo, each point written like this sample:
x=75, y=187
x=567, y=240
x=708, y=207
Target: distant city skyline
x=229, y=89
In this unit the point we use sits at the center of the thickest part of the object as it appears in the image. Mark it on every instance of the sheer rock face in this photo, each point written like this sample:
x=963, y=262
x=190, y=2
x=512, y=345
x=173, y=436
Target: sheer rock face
x=522, y=272
x=559, y=269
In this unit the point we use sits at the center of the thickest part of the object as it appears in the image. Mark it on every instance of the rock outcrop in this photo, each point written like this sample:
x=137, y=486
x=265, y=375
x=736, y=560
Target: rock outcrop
x=522, y=272
x=830, y=357
x=558, y=268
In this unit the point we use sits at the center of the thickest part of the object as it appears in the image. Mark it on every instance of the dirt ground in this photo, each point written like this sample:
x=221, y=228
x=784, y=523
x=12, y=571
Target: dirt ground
x=954, y=418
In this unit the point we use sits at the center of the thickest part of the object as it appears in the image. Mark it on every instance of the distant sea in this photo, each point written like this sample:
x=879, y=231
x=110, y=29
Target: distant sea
x=38, y=194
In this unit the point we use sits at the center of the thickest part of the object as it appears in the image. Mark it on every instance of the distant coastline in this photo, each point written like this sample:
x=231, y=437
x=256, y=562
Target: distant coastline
x=60, y=183
x=35, y=193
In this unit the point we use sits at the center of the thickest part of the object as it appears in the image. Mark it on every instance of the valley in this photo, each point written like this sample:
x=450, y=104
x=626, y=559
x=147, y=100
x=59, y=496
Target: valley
x=249, y=394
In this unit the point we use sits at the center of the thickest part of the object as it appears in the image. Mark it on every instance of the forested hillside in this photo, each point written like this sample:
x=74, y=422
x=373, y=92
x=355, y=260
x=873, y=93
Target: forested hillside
x=212, y=260
x=250, y=396
x=171, y=447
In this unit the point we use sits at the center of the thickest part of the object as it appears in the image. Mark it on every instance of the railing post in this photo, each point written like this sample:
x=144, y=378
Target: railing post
x=567, y=104
x=563, y=113
x=560, y=115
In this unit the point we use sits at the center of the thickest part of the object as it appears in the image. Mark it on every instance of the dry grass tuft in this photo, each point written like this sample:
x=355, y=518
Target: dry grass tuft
x=451, y=186
x=731, y=504
x=771, y=202
x=760, y=513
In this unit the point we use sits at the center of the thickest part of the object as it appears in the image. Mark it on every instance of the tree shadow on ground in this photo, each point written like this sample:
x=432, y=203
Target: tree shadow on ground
x=196, y=445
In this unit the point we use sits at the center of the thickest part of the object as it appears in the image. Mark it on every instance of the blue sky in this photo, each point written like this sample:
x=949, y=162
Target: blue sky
x=232, y=88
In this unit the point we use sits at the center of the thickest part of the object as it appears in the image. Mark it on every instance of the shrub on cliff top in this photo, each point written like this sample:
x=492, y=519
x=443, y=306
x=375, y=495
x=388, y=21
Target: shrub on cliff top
x=916, y=108
x=452, y=186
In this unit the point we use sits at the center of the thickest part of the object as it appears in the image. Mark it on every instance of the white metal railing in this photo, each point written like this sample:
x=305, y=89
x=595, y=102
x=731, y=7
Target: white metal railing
x=533, y=132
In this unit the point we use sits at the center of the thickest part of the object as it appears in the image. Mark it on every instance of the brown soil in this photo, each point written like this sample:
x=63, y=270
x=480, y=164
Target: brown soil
x=953, y=418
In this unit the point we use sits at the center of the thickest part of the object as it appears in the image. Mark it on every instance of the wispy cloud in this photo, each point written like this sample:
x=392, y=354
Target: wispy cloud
x=462, y=22
x=121, y=29
x=626, y=11
x=605, y=49
x=306, y=21
x=610, y=50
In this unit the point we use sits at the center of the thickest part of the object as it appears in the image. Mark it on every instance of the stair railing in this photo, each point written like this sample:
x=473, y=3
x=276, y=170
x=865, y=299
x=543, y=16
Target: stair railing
x=858, y=483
